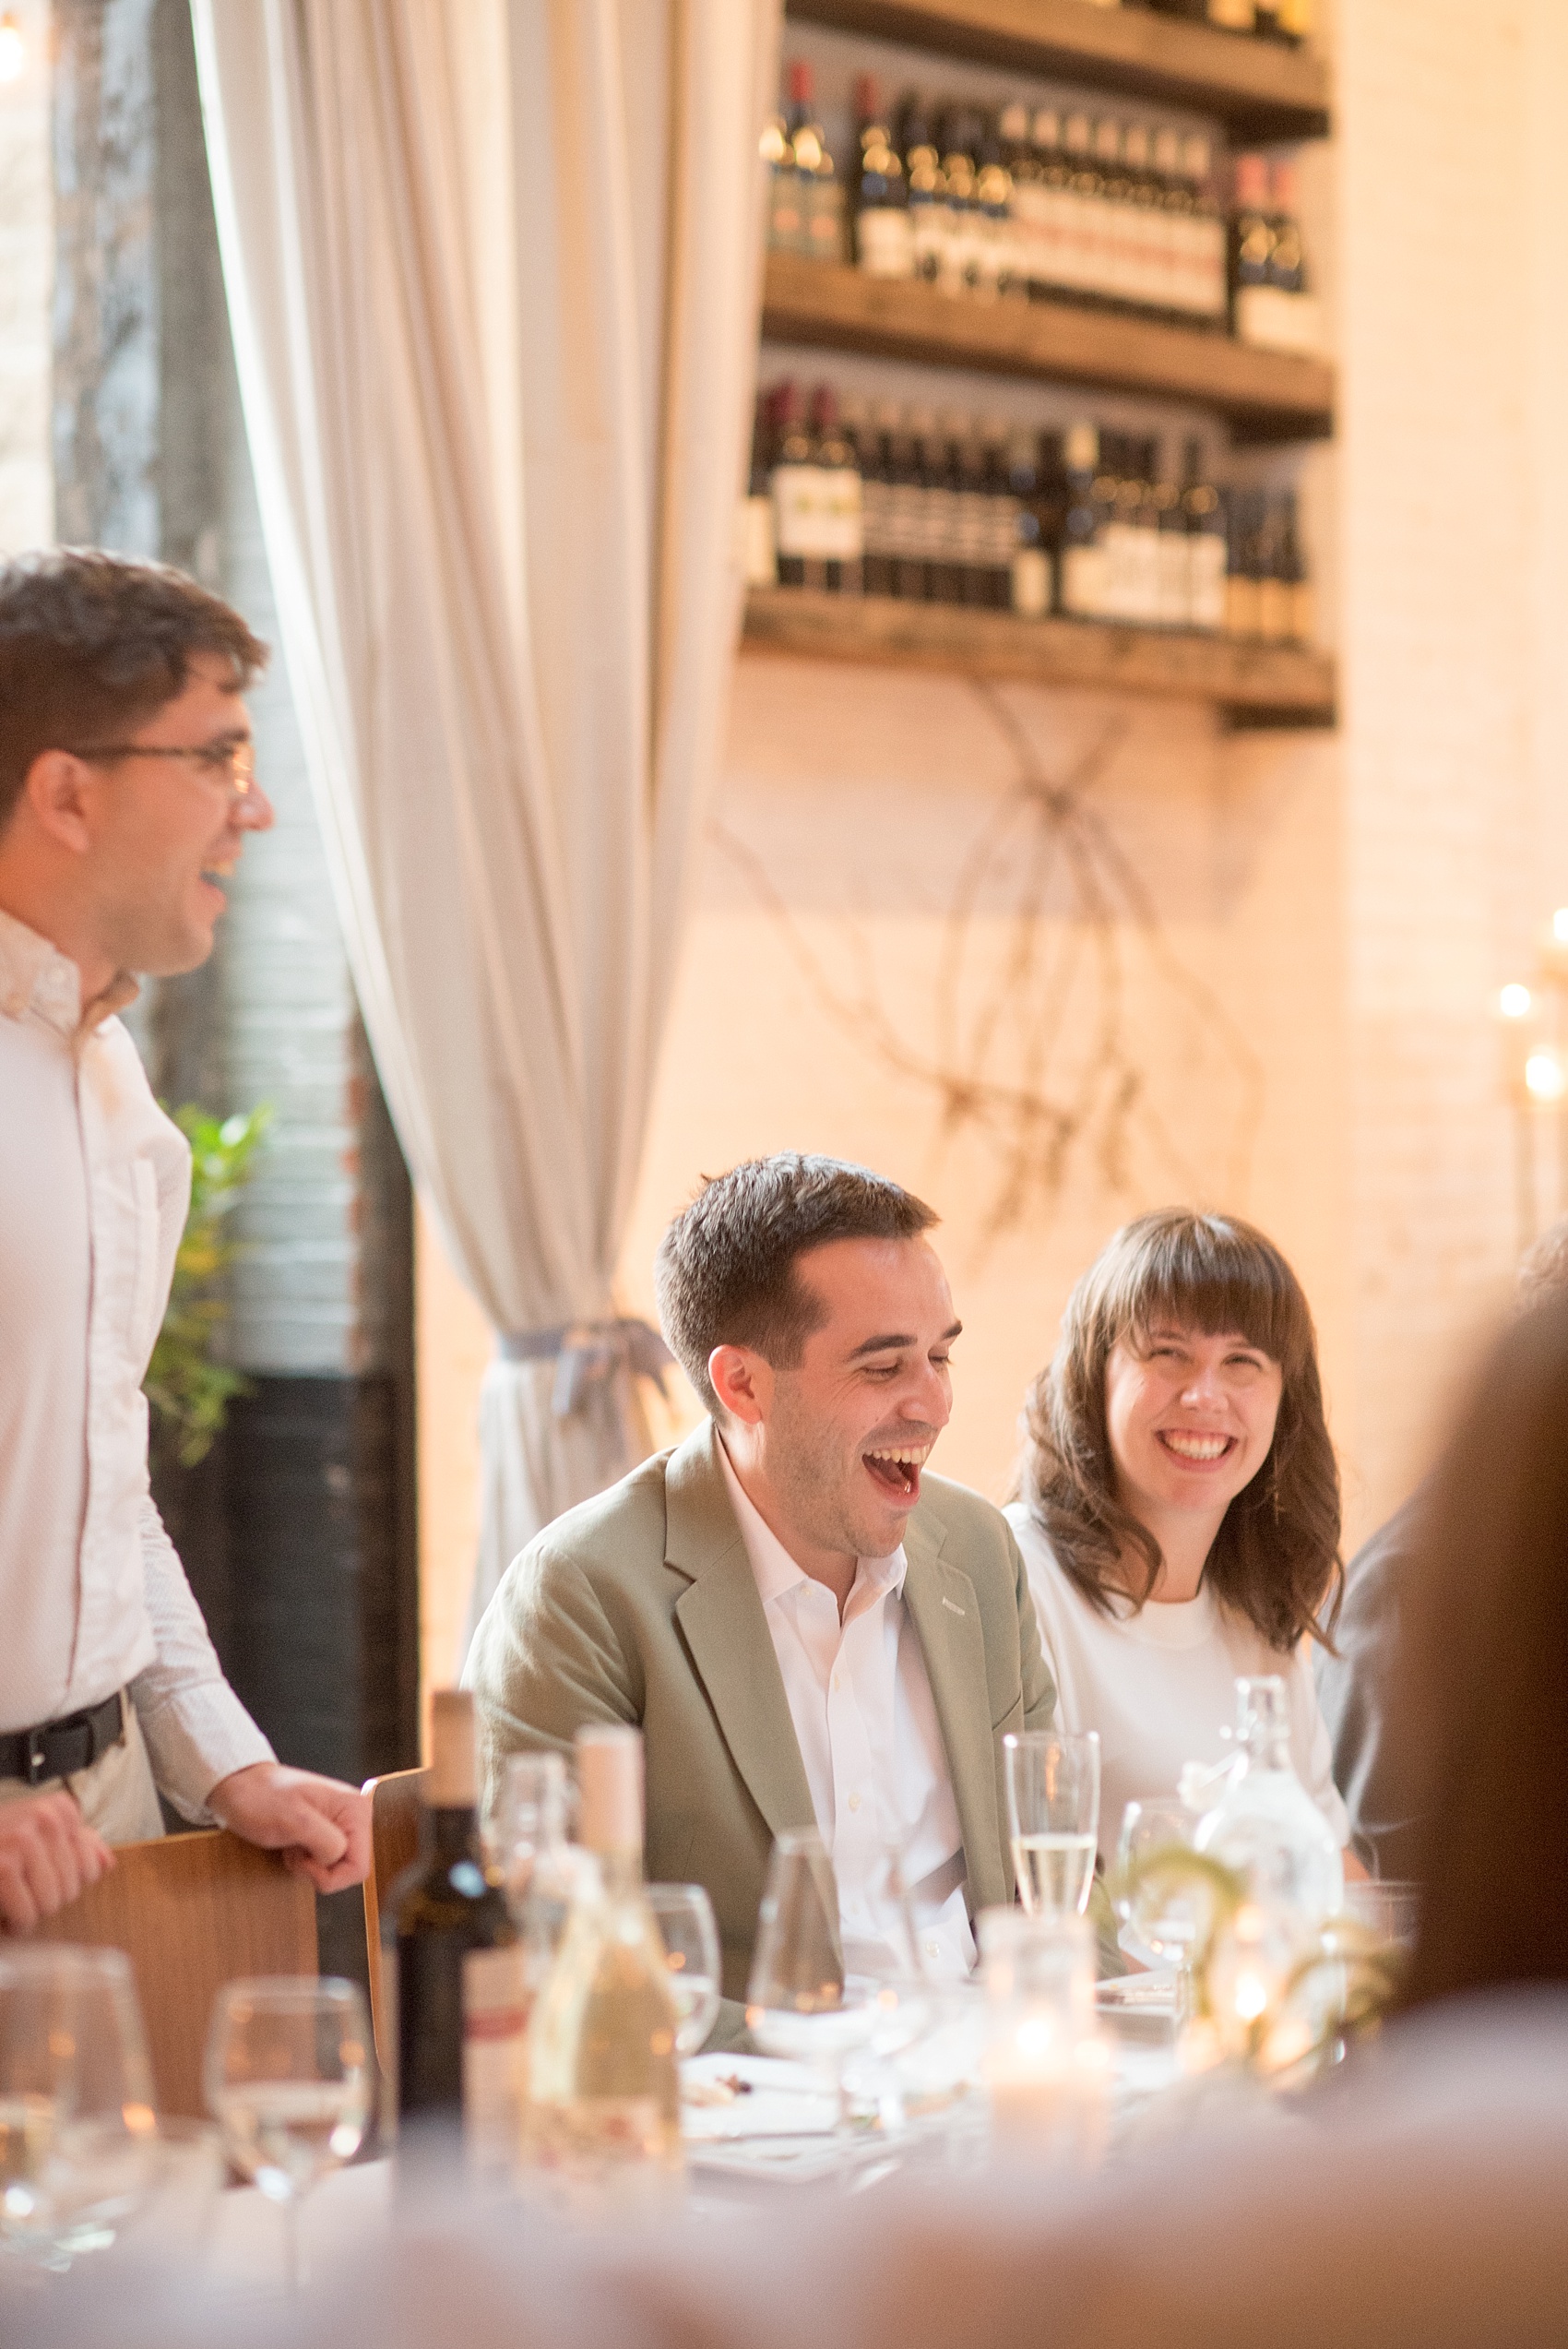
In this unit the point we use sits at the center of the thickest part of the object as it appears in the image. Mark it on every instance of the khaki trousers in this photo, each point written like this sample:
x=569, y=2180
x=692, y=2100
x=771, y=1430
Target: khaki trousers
x=116, y=1793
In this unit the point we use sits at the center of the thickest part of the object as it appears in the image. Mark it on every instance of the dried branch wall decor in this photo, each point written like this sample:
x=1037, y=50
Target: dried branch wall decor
x=1068, y=1035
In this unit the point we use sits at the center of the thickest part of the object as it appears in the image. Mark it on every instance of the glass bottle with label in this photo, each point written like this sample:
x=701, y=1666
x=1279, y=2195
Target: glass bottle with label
x=961, y=250
x=798, y=495
x=822, y=198
x=1301, y=625
x=841, y=539
x=884, y=238
x=879, y=517
x=927, y=187
x=1205, y=515
x=1252, y=233
x=455, y=1961
x=1048, y=266
x=1028, y=585
x=605, y=2108
x=993, y=199
x=1206, y=232
x=1081, y=583
x=1265, y=1824
x=760, y=554
x=1016, y=154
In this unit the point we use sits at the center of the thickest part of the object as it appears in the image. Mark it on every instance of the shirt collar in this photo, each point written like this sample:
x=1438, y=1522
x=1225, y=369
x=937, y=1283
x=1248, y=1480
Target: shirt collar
x=35, y=976
x=774, y=1571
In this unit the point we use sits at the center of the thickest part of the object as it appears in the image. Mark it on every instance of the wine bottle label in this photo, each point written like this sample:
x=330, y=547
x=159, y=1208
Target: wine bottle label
x=1273, y=319
x=759, y=556
x=841, y=536
x=824, y=219
x=495, y=2025
x=1206, y=555
x=927, y=236
x=1031, y=582
x=799, y=500
x=785, y=223
x=1083, y=581
x=884, y=243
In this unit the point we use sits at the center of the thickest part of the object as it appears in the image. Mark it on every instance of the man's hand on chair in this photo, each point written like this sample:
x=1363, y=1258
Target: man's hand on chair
x=321, y=1827
x=48, y=1854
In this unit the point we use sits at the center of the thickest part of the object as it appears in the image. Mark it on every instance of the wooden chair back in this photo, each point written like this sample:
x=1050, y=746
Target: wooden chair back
x=191, y=1912
x=395, y=1801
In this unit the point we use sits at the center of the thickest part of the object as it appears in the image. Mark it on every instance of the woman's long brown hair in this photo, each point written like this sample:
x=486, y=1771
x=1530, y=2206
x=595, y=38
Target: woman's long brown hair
x=1276, y=1560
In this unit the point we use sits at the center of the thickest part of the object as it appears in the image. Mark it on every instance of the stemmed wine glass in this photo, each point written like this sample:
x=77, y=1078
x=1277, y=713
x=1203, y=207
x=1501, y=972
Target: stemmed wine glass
x=78, y=2132
x=1053, y=1816
x=288, y=2079
x=1161, y=1892
x=798, y=2002
x=685, y=1920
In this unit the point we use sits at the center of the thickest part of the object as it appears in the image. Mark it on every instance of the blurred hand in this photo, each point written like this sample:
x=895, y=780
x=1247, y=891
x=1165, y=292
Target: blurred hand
x=321, y=1827
x=48, y=1854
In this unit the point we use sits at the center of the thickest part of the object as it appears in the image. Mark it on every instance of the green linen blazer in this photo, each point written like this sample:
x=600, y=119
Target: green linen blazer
x=640, y=1606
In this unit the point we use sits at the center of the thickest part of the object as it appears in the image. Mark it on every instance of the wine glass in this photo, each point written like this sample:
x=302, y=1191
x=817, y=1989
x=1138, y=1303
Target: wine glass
x=287, y=2080
x=78, y=2132
x=531, y=1818
x=1167, y=1906
x=685, y=1915
x=798, y=2002
x=1053, y=1816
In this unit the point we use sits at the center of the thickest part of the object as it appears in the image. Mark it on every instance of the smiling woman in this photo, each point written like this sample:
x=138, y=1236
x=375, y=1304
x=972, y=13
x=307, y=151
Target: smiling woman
x=1178, y=1503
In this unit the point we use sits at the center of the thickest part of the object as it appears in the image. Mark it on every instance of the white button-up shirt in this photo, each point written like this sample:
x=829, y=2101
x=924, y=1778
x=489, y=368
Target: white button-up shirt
x=94, y=1184
x=866, y=1725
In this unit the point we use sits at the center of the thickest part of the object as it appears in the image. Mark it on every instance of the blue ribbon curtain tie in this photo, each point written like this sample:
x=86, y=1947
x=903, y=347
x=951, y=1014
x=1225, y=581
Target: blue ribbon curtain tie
x=587, y=1353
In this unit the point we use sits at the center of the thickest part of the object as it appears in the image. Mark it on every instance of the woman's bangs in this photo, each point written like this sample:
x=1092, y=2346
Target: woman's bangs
x=1207, y=1273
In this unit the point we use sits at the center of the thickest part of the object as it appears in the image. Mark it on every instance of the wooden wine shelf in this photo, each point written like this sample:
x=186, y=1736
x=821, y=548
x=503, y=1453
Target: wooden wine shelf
x=1254, y=685
x=1259, y=88
x=1265, y=395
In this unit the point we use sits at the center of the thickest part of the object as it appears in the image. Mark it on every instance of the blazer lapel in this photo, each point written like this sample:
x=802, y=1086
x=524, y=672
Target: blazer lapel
x=945, y=1614
x=720, y=1617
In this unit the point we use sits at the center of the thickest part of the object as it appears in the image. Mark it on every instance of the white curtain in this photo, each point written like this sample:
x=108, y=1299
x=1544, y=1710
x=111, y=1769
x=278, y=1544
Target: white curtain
x=493, y=268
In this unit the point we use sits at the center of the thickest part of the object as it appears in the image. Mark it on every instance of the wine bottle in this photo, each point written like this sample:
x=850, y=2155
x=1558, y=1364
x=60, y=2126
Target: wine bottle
x=1204, y=514
x=842, y=534
x=798, y=496
x=927, y=189
x=1301, y=623
x=1029, y=583
x=783, y=188
x=879, y=513
x=1251, y=236
x=454, y=1960
x=1265, y=1824
x=1082, y=241
x=1173, y=600
x=1081, y=579
x=1276, y=592
x=760, y=562
x=993, y=201
x=961, y=247
x=1113, y=244
x=1208, y=232
x=1287, y=264
x=1026, y=202
x=1049, y=249
x=822, y=198
x=884, y=237
x=605, y=2105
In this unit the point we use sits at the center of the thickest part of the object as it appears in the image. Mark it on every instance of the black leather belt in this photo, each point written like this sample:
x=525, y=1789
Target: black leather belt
x=57, y=1748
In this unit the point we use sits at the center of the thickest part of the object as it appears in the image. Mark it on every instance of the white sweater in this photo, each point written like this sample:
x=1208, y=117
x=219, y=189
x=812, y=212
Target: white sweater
x=1158, y=1684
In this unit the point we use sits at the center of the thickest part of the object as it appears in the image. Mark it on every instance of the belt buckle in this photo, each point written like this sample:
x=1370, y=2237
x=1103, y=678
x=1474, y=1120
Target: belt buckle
x=37, y=1759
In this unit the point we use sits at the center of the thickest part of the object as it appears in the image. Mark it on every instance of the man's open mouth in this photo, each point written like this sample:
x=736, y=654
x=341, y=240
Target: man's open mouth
x=896, y=1469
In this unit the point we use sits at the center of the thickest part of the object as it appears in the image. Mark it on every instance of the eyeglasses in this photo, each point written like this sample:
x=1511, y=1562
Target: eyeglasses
x=235, y=761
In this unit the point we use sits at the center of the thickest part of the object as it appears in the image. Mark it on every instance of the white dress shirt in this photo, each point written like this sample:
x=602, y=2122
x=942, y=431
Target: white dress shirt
x=1159, y=1685
x=94, y=1184
x=866, y=1725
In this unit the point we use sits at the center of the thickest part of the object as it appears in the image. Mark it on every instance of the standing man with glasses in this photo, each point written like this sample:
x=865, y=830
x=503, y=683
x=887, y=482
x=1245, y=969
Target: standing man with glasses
x=127, y=790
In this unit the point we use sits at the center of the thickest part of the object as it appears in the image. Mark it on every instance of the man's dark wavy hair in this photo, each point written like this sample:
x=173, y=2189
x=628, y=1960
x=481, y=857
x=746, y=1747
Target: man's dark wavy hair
x=726, y=1271
x=92, y=644
x=1275, y=1558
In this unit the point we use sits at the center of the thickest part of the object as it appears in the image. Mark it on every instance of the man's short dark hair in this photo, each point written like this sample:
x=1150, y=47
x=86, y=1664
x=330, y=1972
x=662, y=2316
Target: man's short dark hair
x=726, y=1272
x=92, y=644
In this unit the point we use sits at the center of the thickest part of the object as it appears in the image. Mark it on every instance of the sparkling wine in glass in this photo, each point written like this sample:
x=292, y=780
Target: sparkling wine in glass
x=685, y=1916
x=1053, y=1816
x=78, y=2132
x=287, y=2080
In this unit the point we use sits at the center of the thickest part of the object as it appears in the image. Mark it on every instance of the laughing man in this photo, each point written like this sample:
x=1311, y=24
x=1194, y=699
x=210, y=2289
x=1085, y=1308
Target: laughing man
x=808, y=1628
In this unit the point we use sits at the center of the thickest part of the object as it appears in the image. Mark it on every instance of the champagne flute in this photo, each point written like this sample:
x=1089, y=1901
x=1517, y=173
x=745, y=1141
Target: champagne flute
x=1053, y=1816
x=798, y=2002
x=1166, y=1905
x=685, y=1920
x=287, y=2080
x=78, y=2132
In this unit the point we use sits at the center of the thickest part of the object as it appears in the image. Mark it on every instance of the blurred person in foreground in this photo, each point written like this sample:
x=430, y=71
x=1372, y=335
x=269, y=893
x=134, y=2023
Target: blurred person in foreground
x=127, y=796
x=1178, y=1504
x=809, y=1628
x=1354, y=1683
x=1413, y=2201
